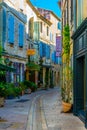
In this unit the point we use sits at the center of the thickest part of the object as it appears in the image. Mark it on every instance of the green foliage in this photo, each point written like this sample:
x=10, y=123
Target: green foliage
x=66, y=39
x=33, y=87
x=67, y=71
x=30, y=85
x=18, y=91
x=33, y=66
x=22, y=86
x=1, y=59
x=3, y=90
x=66, y=91
x=27, y=83
x=9, y=89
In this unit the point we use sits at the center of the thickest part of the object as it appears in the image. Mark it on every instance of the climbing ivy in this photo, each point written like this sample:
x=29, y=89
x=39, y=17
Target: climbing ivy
x=66, y=39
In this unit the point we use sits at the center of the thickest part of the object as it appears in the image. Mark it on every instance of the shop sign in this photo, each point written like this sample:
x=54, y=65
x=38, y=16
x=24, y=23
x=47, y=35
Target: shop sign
x=31, y=52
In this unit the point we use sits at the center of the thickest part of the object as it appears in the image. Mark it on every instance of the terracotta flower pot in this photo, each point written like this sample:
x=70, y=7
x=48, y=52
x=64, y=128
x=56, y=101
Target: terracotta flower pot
x=66, y=107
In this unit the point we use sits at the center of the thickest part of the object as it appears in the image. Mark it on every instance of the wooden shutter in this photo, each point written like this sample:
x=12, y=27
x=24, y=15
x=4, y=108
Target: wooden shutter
x=10, y=29
x=21, y=35
x=44, y=49
x=52, y=58
x=47, y=51
x=40, y=49
x=36, y=31
x=4, y=25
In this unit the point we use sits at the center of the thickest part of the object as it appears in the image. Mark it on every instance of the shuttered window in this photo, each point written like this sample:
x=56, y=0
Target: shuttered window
x=47, y=51
x=21, y=35
x=52, y=58
x=36, y=31
x=11, y=29
x=59, y=25
x=4, y=25
x=44, y=49
x=40, y=50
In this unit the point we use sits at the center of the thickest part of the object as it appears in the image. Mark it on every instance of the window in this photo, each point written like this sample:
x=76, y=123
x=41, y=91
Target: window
x=47, y=51
x=59, y=25
x=41, y=28
x=31, y=27
x=21, y=35
x=10, y=29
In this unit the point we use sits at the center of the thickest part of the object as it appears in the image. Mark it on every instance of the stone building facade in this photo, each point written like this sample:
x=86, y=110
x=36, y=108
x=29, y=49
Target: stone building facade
x=22, y=28
x=13, y=39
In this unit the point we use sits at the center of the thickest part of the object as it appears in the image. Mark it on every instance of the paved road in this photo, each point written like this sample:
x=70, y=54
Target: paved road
x=46, y=109
x=38, y=111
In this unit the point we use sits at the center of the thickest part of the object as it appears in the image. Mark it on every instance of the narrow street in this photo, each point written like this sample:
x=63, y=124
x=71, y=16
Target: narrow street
x=45, y=114
x=38, y=111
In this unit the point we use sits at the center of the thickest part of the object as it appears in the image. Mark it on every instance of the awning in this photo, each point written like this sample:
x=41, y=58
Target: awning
x=6, y=68
x=33, y=66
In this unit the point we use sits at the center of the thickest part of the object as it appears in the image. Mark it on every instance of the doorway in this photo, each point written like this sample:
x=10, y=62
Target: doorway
x=80, y=85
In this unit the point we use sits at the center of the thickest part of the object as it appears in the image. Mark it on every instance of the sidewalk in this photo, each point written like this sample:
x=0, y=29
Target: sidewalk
x=15, y=112
x=56, y=120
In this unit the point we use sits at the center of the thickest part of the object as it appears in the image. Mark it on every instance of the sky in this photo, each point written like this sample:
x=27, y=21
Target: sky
x=48, y=4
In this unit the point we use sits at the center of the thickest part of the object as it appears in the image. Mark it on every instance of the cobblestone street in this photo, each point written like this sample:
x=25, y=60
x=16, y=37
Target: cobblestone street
x=38, y=111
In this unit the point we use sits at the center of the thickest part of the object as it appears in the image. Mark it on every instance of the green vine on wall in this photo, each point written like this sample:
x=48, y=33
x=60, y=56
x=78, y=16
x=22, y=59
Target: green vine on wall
x=66, y=39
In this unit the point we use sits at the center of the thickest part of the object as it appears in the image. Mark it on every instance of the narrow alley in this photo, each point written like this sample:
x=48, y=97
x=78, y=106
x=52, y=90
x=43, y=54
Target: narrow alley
x=40, y=110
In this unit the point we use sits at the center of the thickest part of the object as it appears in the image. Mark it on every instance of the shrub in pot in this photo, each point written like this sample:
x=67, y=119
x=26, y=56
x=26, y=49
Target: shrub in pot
x=3, y=93
x=10, y=90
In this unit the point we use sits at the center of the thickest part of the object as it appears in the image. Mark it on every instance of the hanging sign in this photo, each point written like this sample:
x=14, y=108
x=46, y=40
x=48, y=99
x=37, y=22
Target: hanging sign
x=31, y=52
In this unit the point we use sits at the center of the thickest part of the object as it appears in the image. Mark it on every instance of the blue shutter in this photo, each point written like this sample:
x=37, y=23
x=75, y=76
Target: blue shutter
x=4, y=26
x=40, y=50
x=59, y=25
x=53, y=57
x=44, y=49
x=11, y=29
x=21, y=35
x=47, y=51
x=56, y=60
x=59, y=60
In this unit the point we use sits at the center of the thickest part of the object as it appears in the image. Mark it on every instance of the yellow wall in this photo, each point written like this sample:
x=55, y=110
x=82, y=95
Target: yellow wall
x=84, y=9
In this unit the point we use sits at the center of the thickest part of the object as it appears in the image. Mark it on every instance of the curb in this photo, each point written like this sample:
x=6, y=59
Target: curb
x=43, y=118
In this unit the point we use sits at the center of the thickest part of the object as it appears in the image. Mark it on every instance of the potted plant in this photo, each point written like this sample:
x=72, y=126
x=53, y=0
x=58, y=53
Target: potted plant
x=10, y=90
x=3, y=93
x=22, y=86
x=33, y=87
x=66, y=90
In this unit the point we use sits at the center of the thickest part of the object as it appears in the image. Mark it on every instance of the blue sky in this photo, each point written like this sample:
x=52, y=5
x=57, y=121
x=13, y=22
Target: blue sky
x=48, y=4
